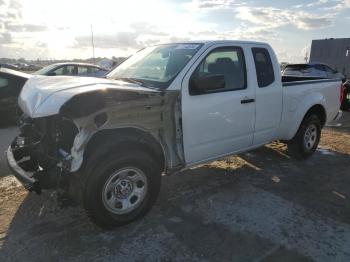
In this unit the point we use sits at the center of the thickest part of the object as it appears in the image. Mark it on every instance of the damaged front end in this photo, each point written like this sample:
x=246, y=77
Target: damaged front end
x=66, y=118
x=39, y=156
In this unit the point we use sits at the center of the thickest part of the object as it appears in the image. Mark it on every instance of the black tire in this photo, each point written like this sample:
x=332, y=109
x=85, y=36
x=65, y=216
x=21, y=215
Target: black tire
x=96, y=179
x=297, y=147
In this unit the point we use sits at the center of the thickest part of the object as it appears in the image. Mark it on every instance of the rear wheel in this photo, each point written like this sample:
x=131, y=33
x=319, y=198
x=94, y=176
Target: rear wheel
x=305, y=142
x=121, y=188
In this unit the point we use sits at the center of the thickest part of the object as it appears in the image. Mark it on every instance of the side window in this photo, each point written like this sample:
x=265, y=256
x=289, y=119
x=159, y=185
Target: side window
x=58, y=71
x=4, y=87
x=223, y=69
x=330, y=71
x=263, y=65
x=320, y=67
x=321, y=71
x=99, y=72
x=10, y=85
x=84, y=70
x=3, y=82
x=65, y=70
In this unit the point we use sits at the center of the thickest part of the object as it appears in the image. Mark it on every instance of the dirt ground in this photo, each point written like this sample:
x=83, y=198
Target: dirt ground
x=259, y=206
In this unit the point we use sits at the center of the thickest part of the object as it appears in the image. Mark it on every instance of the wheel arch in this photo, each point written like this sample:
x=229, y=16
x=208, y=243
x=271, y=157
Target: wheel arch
x=318, y=110
x=124, y=138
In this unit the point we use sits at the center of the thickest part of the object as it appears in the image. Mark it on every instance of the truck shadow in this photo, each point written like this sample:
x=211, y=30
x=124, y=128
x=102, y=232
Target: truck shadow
x=320, y=184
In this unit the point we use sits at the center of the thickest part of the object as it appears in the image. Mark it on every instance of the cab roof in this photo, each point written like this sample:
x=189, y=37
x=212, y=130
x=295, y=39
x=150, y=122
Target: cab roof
x=219, y=42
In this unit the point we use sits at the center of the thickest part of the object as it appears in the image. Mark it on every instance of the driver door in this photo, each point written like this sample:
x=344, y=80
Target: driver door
x=217, y=120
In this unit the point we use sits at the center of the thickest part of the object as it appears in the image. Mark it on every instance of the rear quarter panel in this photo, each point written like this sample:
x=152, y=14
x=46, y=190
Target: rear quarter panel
x=299, y=98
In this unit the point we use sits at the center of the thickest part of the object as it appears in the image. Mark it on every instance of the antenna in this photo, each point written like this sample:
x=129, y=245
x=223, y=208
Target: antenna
x=306, y=58
x=93, y=45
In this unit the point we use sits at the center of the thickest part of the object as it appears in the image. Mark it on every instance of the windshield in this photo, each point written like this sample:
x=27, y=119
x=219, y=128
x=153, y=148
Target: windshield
x=44, y=70
x=156, y=66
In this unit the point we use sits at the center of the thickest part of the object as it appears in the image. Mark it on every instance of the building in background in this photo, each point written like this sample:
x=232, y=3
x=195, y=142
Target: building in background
x=333, y=52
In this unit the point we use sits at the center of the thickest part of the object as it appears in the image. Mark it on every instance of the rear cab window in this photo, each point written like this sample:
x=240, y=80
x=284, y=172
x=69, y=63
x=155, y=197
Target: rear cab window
x=263, y=66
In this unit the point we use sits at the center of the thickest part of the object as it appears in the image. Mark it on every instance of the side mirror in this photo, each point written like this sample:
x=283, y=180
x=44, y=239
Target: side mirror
x=51, y=74
x=205, y=84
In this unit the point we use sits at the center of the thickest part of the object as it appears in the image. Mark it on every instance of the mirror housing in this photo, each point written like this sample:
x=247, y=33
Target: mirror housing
x=206, y=84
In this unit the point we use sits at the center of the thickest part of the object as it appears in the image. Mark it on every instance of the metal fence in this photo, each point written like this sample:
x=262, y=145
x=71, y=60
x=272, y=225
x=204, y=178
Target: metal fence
x=334, y=52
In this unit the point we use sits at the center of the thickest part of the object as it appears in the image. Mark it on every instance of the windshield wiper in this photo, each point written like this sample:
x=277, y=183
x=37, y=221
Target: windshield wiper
x=136, y=81
x=131, y=80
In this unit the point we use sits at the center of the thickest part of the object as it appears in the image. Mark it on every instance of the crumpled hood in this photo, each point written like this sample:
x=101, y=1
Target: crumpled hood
x=44, y=95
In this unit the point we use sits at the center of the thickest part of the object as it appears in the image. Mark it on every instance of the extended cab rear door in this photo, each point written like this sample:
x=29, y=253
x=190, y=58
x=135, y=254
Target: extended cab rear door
x=269, y=94
x=218, y=121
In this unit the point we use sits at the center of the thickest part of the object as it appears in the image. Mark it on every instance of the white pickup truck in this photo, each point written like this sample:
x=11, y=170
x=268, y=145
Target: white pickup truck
x=167, y=108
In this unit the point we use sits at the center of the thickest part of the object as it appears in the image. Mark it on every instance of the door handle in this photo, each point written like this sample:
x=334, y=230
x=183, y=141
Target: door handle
x=247, y=101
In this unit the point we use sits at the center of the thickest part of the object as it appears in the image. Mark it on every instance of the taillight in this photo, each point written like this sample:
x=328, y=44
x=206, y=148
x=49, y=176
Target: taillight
x=341, y=97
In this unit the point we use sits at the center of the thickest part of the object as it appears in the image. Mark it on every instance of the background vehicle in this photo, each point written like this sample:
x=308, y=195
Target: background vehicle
x=32, y=67
x=72, y=69
x=11, y=83
x=9, y=66
x=346, y=96
x=312, y=70
x=167, y=108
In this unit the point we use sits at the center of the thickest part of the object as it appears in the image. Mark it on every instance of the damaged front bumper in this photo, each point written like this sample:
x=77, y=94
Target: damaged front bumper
x=26, y=169
x=38, y=155
x=26, y=178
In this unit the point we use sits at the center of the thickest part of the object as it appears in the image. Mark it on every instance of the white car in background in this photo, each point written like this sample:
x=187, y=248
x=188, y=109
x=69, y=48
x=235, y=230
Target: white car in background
x=72, y=69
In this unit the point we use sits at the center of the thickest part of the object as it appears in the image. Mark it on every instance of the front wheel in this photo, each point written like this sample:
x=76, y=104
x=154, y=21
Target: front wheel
x=121, y=188
x=306, y=140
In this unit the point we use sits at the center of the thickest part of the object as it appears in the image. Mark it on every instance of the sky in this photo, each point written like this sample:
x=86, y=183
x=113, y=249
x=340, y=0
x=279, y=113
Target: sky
x=43, y=29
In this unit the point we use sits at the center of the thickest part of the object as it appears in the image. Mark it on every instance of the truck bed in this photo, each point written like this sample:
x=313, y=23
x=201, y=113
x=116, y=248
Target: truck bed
x=296, y=101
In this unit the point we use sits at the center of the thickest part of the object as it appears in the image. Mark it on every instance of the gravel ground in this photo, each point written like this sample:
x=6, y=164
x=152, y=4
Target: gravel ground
x=258, y=206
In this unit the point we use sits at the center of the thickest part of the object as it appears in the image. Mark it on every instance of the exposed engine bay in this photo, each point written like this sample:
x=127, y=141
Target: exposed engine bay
x=42, y=149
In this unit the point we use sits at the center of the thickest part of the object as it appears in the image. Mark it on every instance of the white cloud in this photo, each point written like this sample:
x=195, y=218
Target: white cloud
x=270, y=17
x=341, y=5
x=319, y=3
x=336, y=5
x=196, y=5
x=5, y=38
x=62, y=29
x=12, y=24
